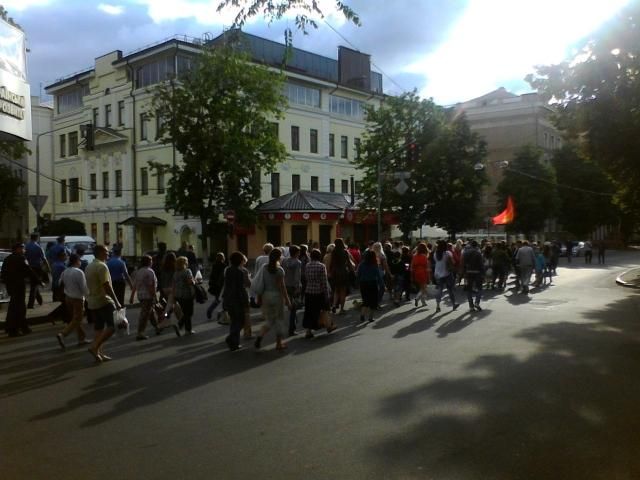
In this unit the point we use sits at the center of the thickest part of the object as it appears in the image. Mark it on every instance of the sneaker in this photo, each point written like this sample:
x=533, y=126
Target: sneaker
x=455, y=306
x=189, y=332
x=86, y=341
x=140, y=336
x=438, y=308
x=258, y=343
x=416, y=303
x=60, y=339
x=370, y=319
x=477, y=305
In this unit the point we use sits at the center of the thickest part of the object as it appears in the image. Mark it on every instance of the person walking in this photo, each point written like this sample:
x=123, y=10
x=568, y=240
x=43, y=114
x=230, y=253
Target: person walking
x=526, y=260
x=274, y=299
x=472, y=268
x=383, y=265
x=102, y=302
x=145, y=284
x=601, y=251
x=216, y=282
x=235, y=299
x=57, y=289
x=444, y=274
x=293, y=282
x=317, y=295
x=15, y=270
x=420, y=270
x=183, y=293
x=119, y=274
x=371, y=281
x=38, y=262
x=75, y=288
x=340, y=267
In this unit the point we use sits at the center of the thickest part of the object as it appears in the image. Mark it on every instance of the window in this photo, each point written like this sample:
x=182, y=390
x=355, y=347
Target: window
x=295, y=183
x=74, y=190
x=118, y=183
x=345, y=186
x=105, y=233
x=73, y=143
x=160, y=178
x=96, y=117
x=332, y=145
x=93, y=186
x=94, y=230
x=299, y=95
x=275, y=127
x=63, y=191
x=344, y=146
x=159, y=125
x=144, y=126
x=346, y=106
x=72, y=100
x=295, y=138
x=185, y=64
x=332, y=185
x=157, y=71
x=358, y=187
x=314, y=184
x=275, y=185
x=356, y=148
x=144, y=181
x=107, y=115
x=105, y=184
x=63, y=145
x=313, y=140
x=121, y=113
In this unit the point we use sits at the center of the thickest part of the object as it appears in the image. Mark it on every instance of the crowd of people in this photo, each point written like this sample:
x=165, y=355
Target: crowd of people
x=284, y=281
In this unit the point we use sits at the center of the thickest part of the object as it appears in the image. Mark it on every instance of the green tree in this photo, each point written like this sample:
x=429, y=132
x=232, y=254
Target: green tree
x=532, y=185
x=597, y=94
x=409, y=134
x=584, y=191
x=273, y=10
x=219, y=118
x=63, y=226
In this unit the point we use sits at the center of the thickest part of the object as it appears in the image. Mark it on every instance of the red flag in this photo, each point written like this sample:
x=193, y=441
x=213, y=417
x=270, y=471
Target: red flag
x=507, y=215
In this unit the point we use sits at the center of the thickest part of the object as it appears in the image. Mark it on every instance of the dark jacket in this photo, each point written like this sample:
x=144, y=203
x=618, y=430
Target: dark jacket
x=15, y=271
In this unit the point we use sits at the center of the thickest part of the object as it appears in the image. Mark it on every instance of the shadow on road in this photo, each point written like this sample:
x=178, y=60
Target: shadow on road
x=569, y=411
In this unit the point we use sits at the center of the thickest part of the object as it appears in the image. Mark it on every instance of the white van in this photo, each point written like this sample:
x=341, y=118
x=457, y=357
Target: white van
x=72, y=242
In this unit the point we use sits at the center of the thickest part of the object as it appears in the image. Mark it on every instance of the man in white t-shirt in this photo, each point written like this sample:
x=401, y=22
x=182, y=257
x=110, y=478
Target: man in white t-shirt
x=75, y=289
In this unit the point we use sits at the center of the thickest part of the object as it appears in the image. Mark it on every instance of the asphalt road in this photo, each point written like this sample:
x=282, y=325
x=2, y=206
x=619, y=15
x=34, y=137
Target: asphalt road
x=537, y=387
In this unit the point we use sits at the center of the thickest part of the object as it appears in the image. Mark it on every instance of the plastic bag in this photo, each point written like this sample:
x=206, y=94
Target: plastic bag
x=121, y=323
x=257, y=283
x=198, y=278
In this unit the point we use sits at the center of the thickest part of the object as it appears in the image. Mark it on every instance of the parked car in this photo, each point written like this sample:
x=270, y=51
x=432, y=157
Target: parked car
x=72, y=242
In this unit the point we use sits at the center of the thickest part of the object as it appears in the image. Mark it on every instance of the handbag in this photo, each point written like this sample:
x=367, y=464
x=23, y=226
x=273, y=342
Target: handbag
x=200, y=293
x=323, y=320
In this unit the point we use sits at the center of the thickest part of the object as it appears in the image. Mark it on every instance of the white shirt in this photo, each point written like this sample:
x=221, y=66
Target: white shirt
x=261, y=261
x=75, y=283
x=441, y=265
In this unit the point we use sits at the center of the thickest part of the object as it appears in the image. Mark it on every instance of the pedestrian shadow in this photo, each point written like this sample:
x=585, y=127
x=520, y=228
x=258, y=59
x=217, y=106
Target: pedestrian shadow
x=460, y=322
x=421, y=325
x=517, y=298
x=567, y=410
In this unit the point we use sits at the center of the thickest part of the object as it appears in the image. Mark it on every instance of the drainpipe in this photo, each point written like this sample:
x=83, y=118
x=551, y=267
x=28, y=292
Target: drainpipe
x=134, y=159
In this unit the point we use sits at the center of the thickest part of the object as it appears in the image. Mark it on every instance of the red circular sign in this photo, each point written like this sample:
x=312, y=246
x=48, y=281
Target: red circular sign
x=230, y=215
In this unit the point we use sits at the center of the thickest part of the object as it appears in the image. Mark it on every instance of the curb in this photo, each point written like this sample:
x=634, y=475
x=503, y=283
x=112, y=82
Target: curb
x=623, y=283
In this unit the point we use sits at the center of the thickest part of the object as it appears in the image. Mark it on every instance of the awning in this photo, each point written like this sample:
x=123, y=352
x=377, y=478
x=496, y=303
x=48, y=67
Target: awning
x=143, y=222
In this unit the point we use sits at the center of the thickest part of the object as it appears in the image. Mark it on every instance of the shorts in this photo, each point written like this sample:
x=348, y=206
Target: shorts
x=103, y=317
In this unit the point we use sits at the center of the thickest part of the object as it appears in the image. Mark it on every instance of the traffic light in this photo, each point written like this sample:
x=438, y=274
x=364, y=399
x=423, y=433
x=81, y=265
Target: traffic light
x=87, y=132
x=413, y=153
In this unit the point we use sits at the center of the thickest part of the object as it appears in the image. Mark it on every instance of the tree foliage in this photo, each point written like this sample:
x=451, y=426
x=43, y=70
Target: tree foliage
x=532, y=185
x=62, y=226
x=585, y=193
x=219, y=119
x=273, y=10
x=409, y=134
x=597, y=93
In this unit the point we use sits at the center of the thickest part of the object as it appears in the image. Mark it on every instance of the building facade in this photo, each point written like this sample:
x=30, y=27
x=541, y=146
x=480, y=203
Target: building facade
x=508, y=122
x=115, y=193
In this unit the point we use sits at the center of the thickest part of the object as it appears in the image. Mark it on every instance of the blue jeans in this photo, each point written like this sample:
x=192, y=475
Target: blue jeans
x=442, y=283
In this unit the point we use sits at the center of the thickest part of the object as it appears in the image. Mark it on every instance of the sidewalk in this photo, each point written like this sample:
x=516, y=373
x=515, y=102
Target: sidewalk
x=630, y=278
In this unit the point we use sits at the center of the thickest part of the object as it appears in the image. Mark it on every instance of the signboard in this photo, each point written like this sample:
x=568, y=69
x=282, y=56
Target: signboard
x=230, y=216
x=15, y=95
x=38, y=201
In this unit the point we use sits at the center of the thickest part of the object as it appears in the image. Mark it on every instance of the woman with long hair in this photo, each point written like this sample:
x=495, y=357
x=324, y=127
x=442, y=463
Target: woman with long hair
x=370, y=280
x=183, y=293
x=420, y=270
x=274, y=299
x=340, y=266
x=317, y=295
x=383, y=266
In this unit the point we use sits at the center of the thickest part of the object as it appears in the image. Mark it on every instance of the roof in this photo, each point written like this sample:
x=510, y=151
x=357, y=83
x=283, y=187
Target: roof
x=143, y=221
x=307, y=201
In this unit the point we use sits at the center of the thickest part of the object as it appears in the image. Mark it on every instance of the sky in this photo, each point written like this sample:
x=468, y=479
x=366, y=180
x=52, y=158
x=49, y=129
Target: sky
x=449, y=50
